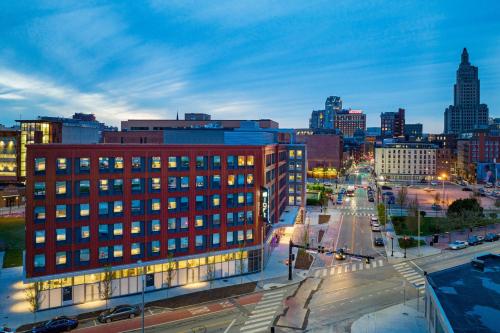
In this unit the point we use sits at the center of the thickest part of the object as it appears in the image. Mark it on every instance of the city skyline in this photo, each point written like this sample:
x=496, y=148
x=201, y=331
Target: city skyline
x=270, y=62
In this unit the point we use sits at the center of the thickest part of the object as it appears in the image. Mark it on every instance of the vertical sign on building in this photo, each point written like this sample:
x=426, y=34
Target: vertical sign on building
x=264, y=204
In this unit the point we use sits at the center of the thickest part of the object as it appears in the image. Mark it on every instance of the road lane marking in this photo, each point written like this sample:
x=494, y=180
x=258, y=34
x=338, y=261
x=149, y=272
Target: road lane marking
x=415, y=279
x=346, y=269
x=262, y=329
x=266, y=309
x=367, y=266
x=374, y=264
x=361, y=266
x=273, y=297
x=325, y=272
x=406, y=270
x=409, y=276
x=316, y=273
x=399, y=264
x=381, y=262
x=354, y=268
x=269, y=301
x=259, y=317
x=339, y=271
x=229, y=327
x=332, y=270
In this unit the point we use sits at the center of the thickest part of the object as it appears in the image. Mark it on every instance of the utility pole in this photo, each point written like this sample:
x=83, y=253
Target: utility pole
x=290, y=260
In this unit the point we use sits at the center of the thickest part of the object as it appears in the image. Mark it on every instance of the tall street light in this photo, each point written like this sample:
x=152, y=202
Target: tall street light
x=443, y=177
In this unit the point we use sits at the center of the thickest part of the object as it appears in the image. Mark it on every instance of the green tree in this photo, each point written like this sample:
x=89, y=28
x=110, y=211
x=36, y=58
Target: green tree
x=465, y=208
x=381, y=213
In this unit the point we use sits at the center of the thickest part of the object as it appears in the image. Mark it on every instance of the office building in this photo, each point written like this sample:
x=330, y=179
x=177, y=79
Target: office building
x=197, y=210
x=478, y=155
x=464, y=298
x=349, y=121
x=467, y=113
x=406, y=161
x=162, y=124
x=324, y=151
x=326, y=118
x=9, y=155
x=413, y=131
x=392, y=124
x=197, y=116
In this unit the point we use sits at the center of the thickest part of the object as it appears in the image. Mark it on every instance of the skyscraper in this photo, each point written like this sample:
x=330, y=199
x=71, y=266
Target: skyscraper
x=326, y=118
x=392, y=124
x=467, y=113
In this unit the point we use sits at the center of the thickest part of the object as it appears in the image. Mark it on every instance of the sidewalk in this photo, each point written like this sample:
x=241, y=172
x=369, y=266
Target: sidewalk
x=14, y=310
x=397, y=318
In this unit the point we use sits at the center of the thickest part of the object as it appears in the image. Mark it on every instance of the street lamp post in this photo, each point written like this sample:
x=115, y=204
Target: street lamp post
x=139, y=262
x=392, y=246
x=405, y=238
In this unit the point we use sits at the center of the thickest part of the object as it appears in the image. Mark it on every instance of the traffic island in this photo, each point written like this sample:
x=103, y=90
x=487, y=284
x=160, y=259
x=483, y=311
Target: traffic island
x=297, y=311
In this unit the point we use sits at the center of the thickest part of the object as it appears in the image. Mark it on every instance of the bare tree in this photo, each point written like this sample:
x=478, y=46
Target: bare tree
x=402, y=197
x=106, y=285
x=171, y=270
x=34, y=297
x=437, y=198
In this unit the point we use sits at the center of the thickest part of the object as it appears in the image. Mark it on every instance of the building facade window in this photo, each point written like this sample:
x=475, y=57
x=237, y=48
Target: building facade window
x=40, y=165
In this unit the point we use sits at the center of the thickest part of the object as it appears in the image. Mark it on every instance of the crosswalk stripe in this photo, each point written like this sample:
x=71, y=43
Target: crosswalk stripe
x=346, y=269
x=374, y=264
x=381, y=262
x=415, y=279
x=367, y=266
x=325, y=272
x=275, y=297
x=339, y=271
x=399, y=264
x=247, y=327
x=266, y=309
x=267, y=301
x=259, y=307
x=275, y=292
x=316, y=273
x=262, y=329
x=258, y=315
x=409, y=275
x=361, y=266
x=256, y=320
x=406, y=270
x=332, y=270
x=354, y=268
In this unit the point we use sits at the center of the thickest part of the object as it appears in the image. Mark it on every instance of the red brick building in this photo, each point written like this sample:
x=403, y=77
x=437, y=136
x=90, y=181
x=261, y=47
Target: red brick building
x=323, y=150
x=194, y=209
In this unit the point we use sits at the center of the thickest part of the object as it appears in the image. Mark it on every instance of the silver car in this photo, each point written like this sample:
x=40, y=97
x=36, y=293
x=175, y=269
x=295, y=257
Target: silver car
x=457, y=245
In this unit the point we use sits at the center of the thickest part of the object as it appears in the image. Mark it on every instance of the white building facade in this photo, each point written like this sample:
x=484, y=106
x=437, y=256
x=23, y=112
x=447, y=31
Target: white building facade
x=406, y=161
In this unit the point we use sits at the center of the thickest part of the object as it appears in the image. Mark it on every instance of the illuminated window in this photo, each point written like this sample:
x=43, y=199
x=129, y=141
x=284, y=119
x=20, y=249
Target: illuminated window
x=198, y=221
x=172, y=203
x=200, y=162
x=299, y=154
x=230, y=180
x=62, y=164
x=291, y=154
x=39, y=260
x=291, y=177
x=171, y=244
x=136, y=228
x=249, y=234
x=84, y=209
x=39, y=189
x=61, y=258
x=172, y=224
x=103, y=252
x=250, y=160
x=118, y=163
x=172, y=162
x=241, y=198
x=39, y=212
x=60, y=235
x=155, y=246
x=40, y=164
x=84, y=255
x=155, y=205
x=216, y=239
x=250, y=179
x=199, y=240
x=216, y=200
x=118, y=251
x=299, y=177
x=155, y=184
x=103, y=163
x=155, y=225
x=135, y=249
x=118, y=229
x=184, y=242
x=241, y=236
x=84, y=164
x=185, y=182
x=118, y=185
x=85, y=232
x=40, y=236
x=184, y=222
x=241, y=161
x=155, y=162
x=103, y=185
x=136, y=162
x=118, y=207
x=60, y=211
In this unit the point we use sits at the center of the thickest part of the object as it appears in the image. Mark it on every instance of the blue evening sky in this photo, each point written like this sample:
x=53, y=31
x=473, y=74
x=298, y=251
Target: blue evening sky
x=242, y=59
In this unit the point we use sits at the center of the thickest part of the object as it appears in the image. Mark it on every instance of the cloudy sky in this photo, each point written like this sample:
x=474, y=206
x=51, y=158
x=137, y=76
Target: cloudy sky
x=242, y=59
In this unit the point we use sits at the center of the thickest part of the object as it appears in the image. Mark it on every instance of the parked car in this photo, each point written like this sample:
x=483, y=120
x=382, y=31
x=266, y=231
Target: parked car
x=467, y=189
x=339, y=254
x=342, y=190
x=55, y=325
x=339, y=201
x=371, y=199
x=373, y=220
x=474, y=240
x=119, y=312
x=489, y=185
x=375, y=227
x=491, y=237
x=457, y=245
x=434, y=183
x=328, y=184
x=378, y=241
x=385, y=187
x=5, y=329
